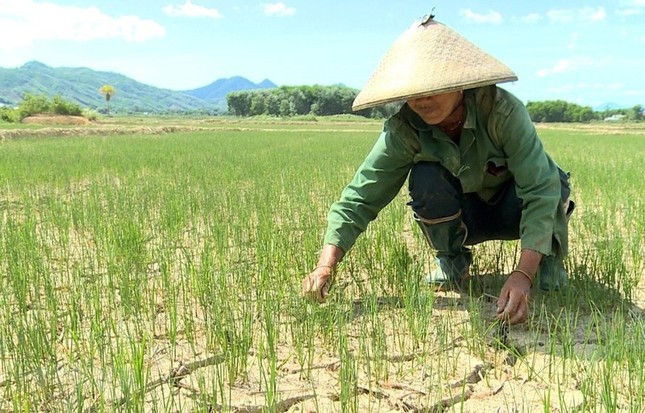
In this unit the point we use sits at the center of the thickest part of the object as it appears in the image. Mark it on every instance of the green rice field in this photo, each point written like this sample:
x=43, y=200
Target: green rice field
x=155, y=265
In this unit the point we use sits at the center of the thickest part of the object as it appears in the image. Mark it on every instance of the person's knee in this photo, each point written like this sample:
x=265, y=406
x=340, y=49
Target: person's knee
x=434, y=191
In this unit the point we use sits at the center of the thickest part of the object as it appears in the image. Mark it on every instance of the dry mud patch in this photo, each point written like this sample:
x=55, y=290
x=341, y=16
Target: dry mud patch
x=534, y=367
x=456, y=374
x=92, y=130
x=55, y=120
x=522, y=370
x=519, y=375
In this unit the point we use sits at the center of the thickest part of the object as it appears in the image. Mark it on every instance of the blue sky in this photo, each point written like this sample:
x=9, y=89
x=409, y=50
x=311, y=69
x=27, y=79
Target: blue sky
x=587, y=52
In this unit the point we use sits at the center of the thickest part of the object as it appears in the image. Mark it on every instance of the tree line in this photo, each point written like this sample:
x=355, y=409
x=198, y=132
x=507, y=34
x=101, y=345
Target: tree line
x=289, y=101
x=562, y=111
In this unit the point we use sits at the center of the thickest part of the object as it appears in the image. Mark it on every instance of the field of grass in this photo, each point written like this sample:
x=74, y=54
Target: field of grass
x=162, y=272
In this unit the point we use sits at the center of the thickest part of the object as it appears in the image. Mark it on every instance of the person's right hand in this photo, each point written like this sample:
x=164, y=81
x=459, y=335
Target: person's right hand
x=513, y=302
x=316, y=285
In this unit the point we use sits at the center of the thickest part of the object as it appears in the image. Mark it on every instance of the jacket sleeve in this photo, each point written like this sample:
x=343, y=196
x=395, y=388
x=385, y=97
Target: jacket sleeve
x=375, y=184
x=536, y=176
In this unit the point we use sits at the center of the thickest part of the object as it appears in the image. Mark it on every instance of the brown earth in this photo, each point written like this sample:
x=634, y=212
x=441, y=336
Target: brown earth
x=91, y=130
x=55, y=120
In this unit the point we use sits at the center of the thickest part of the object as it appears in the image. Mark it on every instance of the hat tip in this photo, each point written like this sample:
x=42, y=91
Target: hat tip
x=427, y=18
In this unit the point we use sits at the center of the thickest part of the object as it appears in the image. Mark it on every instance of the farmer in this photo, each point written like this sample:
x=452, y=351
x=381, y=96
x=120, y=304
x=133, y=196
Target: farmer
x=475, y=167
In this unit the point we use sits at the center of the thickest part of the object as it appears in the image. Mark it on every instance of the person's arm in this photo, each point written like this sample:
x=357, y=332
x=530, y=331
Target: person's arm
x=537, y=179
x=376, y=182
x=538, y=186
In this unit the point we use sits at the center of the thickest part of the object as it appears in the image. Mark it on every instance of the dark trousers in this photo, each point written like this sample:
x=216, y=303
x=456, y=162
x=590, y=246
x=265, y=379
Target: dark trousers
x=435, y=194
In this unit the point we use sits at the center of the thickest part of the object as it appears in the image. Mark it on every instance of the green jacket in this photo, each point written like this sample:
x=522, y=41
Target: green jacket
x=497, y=129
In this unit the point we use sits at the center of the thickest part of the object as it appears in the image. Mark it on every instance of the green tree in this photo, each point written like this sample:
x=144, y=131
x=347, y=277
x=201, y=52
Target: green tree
x=559, y=111
x=239, y=103
x=61, y=106
x=107, y=91
x=33, y=104
x=273, y=104
x=332, y=101
x=258, y=103
x=285, y=107
x=292, y=100
x=8, y=114
x=303, y=98
x=635, y=113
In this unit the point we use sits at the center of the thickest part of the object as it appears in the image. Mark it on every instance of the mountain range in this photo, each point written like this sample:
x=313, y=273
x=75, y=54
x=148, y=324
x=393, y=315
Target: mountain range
x=81, y=85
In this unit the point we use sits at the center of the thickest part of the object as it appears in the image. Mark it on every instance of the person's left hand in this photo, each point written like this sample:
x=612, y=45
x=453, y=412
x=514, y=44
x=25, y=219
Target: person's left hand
x=316, y=285
x=513, y=302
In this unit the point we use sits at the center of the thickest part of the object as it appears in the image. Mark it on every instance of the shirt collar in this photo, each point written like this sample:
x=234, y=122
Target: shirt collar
x=471, y=109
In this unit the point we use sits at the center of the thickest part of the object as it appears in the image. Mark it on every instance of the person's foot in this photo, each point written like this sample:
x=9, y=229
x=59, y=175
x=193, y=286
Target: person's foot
x=551, y=274
x=442, y=279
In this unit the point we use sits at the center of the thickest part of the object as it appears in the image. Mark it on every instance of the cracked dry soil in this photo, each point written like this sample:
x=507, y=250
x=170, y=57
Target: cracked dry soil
x=519, y=370
x=515, y=373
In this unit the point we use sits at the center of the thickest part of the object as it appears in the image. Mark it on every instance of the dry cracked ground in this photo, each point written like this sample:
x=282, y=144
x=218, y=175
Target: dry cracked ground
x=518, y=369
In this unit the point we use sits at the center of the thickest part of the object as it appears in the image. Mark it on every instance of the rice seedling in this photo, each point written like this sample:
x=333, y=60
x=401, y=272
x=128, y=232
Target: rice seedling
x=162, y=273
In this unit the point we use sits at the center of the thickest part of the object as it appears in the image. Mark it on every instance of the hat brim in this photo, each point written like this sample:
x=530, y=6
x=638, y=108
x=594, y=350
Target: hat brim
x=430, y=59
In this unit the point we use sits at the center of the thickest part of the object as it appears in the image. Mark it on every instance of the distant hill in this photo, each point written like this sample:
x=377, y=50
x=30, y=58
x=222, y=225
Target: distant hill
x=81, y=85
x=607, y=106
x=222, y=87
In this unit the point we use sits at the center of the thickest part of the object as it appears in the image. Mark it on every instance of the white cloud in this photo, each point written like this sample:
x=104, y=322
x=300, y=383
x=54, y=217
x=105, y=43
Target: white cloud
x=590, y=14
x=189, y=9
x=628, y=12
x=279, y=9
x=531, y=18
x=560, y=66
x=491, y=17
x=560, y=16
x=565, y=65
x=586, y=14
x=23, y=22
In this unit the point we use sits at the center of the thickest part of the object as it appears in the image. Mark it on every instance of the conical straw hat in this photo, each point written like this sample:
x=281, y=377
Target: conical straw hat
x=428, y=59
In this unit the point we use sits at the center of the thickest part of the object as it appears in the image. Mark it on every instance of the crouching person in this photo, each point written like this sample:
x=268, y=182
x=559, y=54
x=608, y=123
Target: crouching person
x=475, y=167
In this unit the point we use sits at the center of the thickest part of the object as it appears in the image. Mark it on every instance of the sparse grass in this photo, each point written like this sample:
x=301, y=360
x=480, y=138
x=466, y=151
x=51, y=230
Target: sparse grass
x=162, y=273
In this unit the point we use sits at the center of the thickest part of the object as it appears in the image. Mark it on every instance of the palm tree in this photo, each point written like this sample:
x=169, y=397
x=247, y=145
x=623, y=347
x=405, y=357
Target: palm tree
x=107, y=91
